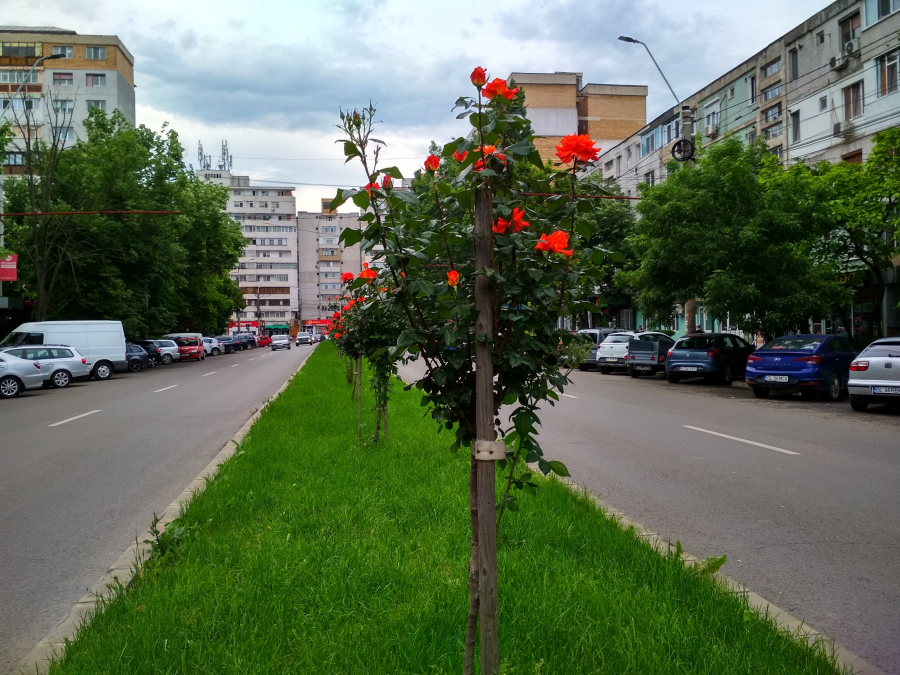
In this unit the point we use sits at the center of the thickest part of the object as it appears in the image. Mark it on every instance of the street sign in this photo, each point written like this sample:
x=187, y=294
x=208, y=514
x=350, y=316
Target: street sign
x=8, y=268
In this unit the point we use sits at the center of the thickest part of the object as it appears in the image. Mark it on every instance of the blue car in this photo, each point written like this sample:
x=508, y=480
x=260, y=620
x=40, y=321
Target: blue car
x=717, y=357
x=811, y=364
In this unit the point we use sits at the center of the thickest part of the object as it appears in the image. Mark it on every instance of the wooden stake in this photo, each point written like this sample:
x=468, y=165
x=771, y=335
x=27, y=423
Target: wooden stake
x=484, y=427
x=359, y=402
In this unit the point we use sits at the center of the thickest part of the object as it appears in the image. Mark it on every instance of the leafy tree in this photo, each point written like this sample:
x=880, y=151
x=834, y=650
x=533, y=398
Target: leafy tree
x=154, y=272
x=728, y=230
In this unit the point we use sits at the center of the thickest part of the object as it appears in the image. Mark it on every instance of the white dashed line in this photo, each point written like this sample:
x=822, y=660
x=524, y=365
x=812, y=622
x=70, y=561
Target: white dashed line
x=249, y=359
x=568, y=396
x=208, y=374
x=235, y=365
x=742, y=440
x=71, y=419
x=165, y=388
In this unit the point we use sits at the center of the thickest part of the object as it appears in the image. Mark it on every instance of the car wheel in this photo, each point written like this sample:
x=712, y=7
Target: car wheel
x=634, y=373
x=152, y=363
x=674, y=378
x=760, y=392
x=855, y=403
x=103, y=371
x=215, y=351
x=203, y=356
x=134, y=366
x=834, y=388
x=61, y=379
x=167, y=359
x=725, y=379
x=10, y=387
x=605, y=370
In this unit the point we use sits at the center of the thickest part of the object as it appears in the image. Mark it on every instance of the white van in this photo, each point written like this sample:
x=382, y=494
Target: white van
x=102, y=343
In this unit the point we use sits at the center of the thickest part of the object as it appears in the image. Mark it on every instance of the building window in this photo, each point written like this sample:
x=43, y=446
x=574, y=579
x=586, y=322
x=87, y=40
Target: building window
x=264, y=193
x=63, y=105
x=820, y=37
x=276, y=205
x=849, y=29
x=608, y=166
x=794, y=64
x=237, y=193
x=778, y=152
x=250, y=204
x=854, y=157
x=329, y=251
x=66, y=52
x=14, y=159
x=95, y=53
x=650, y=178
x=648, y=143
x=753, y=89
x=18, y=76
x=884, y=8
x=619, y=165
x=670, y=132
x=21, y=49
x=96, y=80
x=772, y=113
x=823, y=103
x=329, y=229
x=772, y=67
x=264, y=205
x=21, y=103
x=795, y=126
x=63, y=79
x=96, y=104
x=773, y=131
x=63, y=134
x=772, y=92
x=853, y=101
x=887, y=73
x=751, y=137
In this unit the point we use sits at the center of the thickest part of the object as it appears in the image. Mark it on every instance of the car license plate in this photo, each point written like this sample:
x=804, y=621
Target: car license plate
x=611, y=359
x=776, y=378
x=692, y=368
x=643, y=367
x=886, y=390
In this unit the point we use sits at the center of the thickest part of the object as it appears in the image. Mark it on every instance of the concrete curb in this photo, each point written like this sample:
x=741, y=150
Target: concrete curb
x=786, y=622
x=122, y=571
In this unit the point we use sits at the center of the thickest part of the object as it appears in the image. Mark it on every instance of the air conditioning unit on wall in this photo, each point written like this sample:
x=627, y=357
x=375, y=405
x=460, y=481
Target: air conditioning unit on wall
x=838, y=62
x=852, y=47
x=712, y=130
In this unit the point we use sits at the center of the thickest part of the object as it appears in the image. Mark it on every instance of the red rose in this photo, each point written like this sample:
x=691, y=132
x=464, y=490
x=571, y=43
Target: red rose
x=432, y=162
x=453, y=277
x=387, y=183
x=578, y=147
x=478, y=77
x=517, y=222
x=498, y=87
x=345, y=277
x=555, y=243
x=460, y=156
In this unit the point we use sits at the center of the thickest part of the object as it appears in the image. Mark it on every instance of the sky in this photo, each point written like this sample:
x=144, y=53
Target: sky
x=269, y=76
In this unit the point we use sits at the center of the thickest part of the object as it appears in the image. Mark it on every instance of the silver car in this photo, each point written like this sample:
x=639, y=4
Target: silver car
x=875, y=375
x=213, y=347
x=280, y=342
x=17, y=374
x=60, y=364
x=169, y=351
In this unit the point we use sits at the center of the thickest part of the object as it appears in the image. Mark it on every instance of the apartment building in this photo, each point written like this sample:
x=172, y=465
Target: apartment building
x=818, y=93
x=322, y=261
x=89, y=71
x=267, y=271
x=558, y=105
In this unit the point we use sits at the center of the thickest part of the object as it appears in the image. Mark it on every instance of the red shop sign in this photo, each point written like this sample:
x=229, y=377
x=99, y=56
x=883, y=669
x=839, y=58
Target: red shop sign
x=8, y=268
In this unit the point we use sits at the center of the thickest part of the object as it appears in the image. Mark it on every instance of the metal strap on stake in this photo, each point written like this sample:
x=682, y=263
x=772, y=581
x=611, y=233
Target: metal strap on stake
x=489, y=450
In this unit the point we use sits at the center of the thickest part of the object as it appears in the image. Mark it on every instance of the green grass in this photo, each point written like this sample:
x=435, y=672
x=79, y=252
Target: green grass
x=309, y=555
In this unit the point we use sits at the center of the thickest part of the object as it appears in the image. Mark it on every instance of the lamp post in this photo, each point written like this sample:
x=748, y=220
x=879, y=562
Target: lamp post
x=625, y=38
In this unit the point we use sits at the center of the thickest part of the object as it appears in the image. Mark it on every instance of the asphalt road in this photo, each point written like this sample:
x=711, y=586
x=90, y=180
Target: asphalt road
x=75, y=495
x=816, y=532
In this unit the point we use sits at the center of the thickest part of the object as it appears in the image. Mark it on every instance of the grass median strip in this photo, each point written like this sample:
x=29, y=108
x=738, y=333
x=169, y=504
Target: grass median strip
x=307, y=554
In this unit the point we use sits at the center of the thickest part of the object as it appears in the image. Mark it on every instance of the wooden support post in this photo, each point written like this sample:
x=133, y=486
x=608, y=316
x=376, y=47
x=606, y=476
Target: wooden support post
x=484, y=426
x=359, y=402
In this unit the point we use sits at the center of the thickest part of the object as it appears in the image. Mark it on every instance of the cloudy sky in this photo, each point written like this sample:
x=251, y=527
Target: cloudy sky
x=270, y=75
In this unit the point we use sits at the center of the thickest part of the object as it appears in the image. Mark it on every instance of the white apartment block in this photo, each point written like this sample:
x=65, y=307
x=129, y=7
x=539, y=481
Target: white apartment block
x=267, y=272
x=322, y=260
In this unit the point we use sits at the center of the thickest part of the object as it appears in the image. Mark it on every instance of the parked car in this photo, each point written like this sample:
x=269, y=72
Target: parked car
x=213, y=346
x=718, y=357
x=612, y=352
x=263, y=340
x=137, y=357
x=190, y=345
x=169, y=351
x=229, y=344
x=60, y=365
x=280, y=342
x=597, y=336
x=247, y=340
x=153, y=349
x=18, y=374
x=810, y=364
x=101, y=343
x=647, y=352
x=303, y=338
x=875, y=375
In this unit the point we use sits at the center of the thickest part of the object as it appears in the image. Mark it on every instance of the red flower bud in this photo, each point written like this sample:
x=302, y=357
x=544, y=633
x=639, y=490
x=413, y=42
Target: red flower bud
x=432, y=162
x=452, y=277
x=387, y=183
x=478, y=77
x=460, y=156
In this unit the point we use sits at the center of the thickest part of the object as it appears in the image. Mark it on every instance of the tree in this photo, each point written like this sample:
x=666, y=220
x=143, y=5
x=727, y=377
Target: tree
x=729, y=230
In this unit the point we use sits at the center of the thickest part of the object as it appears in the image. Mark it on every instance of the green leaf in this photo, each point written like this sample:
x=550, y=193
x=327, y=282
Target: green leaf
x=340, y=197
x=361, y=199
x=393, y=172
x=350, y=236
x=522, y=148
x=559, y=468
x=407, y=196
x=711, y=565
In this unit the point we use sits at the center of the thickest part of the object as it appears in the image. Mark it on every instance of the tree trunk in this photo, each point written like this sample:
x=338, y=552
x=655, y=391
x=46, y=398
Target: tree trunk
x=472, y=622
x=690, y=315
x=484, y=426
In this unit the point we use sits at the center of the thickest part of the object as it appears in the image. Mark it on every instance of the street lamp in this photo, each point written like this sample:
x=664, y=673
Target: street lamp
x=26, y=78
x=625, y=38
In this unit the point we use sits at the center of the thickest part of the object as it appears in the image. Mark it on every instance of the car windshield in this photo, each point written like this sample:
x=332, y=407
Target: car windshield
x=186, y=342
x=167, y=343
x=885, y=349
x=22, y=339
x=795, y=344
x=694, y=343
x=589, y=334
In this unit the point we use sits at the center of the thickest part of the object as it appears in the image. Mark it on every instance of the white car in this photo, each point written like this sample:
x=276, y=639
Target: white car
x=213, y=346
x=280, y=342
x=612, y=353
x=18, y=374
x=875, y=375
x=60, y=364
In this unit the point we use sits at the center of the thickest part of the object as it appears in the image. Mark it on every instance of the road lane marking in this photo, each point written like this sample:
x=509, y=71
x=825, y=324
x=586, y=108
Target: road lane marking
x=165, y=388
x=208, y=374
x=569, y=396
x=235, y=365
x=249, y=359
x=742, y=440
x=72, y=419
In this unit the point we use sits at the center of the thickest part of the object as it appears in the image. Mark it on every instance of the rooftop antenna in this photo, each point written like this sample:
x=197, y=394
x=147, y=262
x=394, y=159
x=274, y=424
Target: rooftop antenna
x=225, y=160
x=203, y=161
